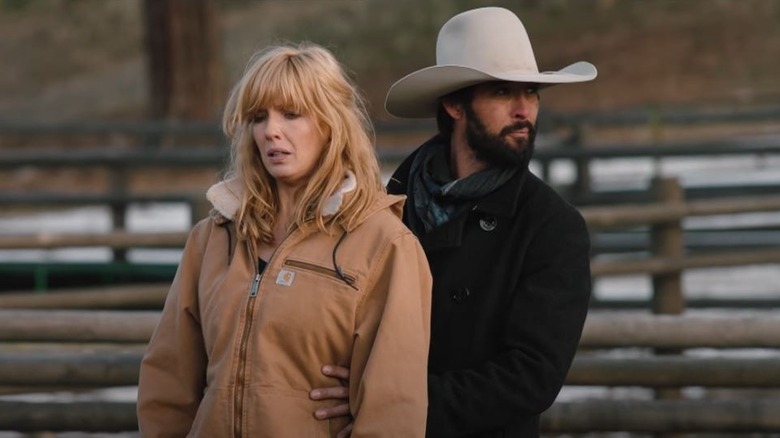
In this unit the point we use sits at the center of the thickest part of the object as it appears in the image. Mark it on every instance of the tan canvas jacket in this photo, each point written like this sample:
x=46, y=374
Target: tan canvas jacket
x=236, y=353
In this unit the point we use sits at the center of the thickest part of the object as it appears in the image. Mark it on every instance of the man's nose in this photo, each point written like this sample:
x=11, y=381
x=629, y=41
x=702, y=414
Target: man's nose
x=521, y=107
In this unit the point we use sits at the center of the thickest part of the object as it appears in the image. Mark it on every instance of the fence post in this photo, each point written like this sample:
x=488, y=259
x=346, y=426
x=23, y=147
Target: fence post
x=582, y=186
x=667, y=240
x=118, y=184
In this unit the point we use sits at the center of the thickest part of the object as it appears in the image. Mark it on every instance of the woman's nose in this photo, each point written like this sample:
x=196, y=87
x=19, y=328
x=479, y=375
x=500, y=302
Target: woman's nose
x=272, y=127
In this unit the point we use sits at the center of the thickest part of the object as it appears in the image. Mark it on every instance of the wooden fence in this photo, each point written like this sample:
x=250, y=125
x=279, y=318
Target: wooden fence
x=121, y=165
x=84, y=365
x=662, y=220
x=656, y=351
x=664, y=348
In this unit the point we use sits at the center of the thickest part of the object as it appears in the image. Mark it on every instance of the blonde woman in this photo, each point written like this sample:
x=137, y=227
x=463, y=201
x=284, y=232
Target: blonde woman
x=303, y=261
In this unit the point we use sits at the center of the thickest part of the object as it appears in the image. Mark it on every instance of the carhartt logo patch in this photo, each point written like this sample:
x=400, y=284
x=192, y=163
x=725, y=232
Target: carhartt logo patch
x=285, y=277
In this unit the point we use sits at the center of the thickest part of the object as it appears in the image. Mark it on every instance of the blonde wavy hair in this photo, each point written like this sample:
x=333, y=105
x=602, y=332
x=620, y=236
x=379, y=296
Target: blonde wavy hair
x=308, y=80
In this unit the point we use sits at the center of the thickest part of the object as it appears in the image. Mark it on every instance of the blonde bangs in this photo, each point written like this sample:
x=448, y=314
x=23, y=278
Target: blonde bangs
x=281, y=82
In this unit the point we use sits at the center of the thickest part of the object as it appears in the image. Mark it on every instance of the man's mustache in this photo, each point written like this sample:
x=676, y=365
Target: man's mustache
x=516, y=127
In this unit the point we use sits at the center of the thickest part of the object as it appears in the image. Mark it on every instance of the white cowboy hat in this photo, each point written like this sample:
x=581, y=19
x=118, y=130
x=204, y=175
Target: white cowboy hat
x=480, y=45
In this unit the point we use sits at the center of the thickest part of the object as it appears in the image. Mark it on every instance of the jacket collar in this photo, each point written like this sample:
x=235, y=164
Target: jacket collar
x=225, y=198
x=504, y=201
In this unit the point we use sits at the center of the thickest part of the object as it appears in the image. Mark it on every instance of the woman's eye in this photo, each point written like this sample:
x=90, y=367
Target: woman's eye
x=291, y=115
x=259, y=117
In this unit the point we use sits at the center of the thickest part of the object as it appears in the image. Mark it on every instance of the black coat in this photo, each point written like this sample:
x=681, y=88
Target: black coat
x=511, y=284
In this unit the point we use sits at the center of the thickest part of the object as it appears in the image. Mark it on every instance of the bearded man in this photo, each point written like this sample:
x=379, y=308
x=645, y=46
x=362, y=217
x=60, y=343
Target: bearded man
x=509, y=256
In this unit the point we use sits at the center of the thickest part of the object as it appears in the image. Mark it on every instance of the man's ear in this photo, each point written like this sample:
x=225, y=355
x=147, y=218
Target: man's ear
x=455, y=110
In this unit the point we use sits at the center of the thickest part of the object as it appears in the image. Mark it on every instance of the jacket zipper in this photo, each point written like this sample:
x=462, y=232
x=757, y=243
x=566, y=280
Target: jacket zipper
x=319, y=269
x=254, y=289
x=242, y=350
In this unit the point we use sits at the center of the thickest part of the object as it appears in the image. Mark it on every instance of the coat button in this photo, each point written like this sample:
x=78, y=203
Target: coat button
x=488, y=223
x=461, y=294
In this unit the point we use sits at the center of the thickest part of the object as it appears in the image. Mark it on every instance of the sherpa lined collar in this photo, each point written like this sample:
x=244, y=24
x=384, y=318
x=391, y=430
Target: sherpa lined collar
x=225, y=196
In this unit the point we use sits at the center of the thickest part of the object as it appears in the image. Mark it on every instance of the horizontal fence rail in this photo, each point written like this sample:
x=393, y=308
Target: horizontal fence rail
x=113, y=239
x=111, y=128
x=106, y=369
x=663, y=265
x=658, y=212
x=763, y=146
x=722, y=416
x=69, y=369
x=93, y=416
x=175, y=128
x=602, y=330
x=679, y=116
x=213, y=156
x=749, y=302
x=622, y=330
x=111, y=198
x=110, y=369
x=695, y=240
x=145, y=296
x=77, y=326
x=626, y=117
x=675, y=371
x=152, y=296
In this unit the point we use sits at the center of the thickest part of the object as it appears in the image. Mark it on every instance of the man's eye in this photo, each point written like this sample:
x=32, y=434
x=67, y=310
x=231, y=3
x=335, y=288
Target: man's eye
x=502, y=91
x=532, y=91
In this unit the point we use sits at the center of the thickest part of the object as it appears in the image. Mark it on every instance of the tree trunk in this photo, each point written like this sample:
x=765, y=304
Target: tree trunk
x=184, y=59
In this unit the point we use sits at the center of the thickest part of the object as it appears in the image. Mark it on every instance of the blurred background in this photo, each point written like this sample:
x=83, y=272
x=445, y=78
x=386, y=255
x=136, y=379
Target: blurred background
x=75, y=60
x=109, y=137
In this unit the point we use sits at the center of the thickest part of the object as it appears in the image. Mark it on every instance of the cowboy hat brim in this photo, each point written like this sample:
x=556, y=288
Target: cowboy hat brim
x=417, y=94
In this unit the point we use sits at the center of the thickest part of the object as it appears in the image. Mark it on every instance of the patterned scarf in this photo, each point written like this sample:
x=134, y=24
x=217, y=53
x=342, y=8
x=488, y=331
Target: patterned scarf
x=438, y=197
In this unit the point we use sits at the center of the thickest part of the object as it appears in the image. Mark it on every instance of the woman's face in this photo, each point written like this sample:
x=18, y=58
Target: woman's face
x=289, y=143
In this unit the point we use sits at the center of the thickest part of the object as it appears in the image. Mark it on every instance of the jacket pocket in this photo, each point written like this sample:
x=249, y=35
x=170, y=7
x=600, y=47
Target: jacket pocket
x=322, y=270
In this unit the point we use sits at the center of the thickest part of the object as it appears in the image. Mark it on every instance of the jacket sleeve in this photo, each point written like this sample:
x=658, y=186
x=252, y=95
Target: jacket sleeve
x=172, y=375
x=388, y=378
x=541, y=334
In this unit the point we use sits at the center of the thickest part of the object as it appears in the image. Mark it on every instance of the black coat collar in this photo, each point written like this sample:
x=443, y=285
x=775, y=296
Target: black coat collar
x=503, y=202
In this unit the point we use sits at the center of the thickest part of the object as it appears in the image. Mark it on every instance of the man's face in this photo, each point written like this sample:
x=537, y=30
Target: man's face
x=501, y=123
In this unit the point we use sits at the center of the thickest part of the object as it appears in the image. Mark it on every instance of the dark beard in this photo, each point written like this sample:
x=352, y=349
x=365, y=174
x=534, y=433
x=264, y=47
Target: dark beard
x=493, y=149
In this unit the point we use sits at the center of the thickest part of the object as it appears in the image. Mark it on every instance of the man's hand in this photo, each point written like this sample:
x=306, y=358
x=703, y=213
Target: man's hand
x=335, y=392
